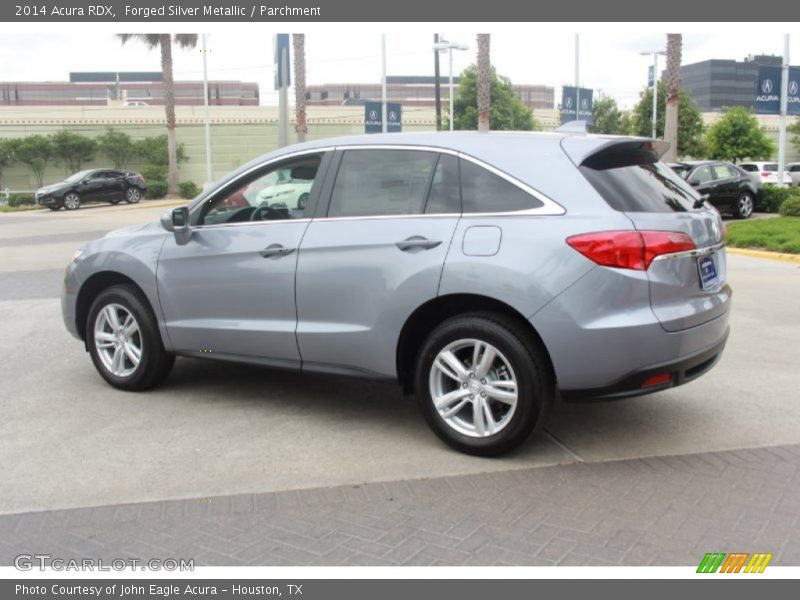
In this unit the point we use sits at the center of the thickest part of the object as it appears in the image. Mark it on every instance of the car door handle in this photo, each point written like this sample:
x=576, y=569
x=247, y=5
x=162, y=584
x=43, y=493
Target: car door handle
x=275, y=251
x=417, y=242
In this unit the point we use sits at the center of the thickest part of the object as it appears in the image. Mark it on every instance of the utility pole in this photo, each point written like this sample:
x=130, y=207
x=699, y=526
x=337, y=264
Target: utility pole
x=437, y=85
x=655, y=54
x=384, y=124
x=577, y=77
x=207, y=119
x=784, y=106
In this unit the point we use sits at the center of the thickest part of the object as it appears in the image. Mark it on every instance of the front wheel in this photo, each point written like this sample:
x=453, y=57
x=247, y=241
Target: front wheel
x=482, y=387
x=72, y=201
x=744, y=205
x=133, y=195
x=124, y=342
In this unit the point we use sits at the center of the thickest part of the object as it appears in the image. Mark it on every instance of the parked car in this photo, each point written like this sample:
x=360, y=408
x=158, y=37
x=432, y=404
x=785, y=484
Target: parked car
x=484, y=273
x=765, y=172
x=726, y=186
x=94, y=185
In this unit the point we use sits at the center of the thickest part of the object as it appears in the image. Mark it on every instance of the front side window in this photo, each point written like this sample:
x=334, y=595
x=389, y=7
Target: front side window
x=382, y=182
x=485, y=192
x=278, y=193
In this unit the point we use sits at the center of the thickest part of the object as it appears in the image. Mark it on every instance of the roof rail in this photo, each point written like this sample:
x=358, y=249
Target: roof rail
x=574, y=127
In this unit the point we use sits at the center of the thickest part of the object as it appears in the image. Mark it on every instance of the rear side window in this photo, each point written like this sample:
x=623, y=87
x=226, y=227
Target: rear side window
x=724, y=172
x=382, y=182
x=634, y=181
x=445, y=194
x=484, y=192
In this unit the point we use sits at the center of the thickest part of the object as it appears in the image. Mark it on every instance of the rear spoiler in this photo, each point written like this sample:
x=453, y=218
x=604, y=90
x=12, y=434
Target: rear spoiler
x=607, y=152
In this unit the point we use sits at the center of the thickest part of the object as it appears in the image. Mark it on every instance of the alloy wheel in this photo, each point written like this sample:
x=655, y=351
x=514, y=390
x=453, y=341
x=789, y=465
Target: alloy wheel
x=473, y=388
x=72, y=201
x=118, y=340
x=745, y=205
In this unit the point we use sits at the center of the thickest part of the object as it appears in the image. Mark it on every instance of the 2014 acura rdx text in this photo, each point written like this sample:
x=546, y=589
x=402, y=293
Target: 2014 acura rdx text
x=485, y=272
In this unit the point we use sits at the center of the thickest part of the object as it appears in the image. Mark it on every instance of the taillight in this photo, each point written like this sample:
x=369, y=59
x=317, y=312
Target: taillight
x=765, y=173
x=629, y=249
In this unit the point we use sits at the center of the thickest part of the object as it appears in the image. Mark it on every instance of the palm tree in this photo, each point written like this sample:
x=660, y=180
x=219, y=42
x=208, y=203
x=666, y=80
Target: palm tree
x=484, y=82
x=674, y=42
x=164, y=42
x=299, y=46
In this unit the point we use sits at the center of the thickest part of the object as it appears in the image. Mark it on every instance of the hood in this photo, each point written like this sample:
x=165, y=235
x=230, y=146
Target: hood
x=154, y=227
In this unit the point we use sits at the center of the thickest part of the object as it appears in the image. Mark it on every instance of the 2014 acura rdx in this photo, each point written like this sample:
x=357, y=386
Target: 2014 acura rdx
x=483, y=271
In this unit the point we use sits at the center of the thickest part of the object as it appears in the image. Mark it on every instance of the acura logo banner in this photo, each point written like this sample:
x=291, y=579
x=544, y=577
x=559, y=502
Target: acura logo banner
x=768, y=91
x=572, y=98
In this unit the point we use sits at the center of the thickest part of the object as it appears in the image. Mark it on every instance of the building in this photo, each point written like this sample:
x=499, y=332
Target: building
x=716, y=84
x=412, y=91
x=134, y=88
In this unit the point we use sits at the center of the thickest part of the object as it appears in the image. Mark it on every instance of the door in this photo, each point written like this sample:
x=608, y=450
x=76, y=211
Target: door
x=229, y=291
x=93, y=187
x=115, y=186
x=726, y=181
x=374, y=255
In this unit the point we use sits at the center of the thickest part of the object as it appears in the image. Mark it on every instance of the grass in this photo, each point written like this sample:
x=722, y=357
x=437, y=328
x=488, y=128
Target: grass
x=781, y=234
x=5, y=208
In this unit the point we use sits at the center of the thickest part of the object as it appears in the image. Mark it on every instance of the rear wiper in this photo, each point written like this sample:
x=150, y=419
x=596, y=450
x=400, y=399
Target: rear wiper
x=700, y=201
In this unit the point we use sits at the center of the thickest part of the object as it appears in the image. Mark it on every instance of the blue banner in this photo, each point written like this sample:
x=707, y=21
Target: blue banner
x=768, y=91
x=373, y=117
x=576, y=104
x=282, y=46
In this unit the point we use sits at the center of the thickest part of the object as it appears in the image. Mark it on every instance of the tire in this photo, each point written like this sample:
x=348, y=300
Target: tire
x=302, y=200
x=744, y=205
x=154, y=362
x=115, y=201
x=518, y=360
x=133, y=195
x=72, y=201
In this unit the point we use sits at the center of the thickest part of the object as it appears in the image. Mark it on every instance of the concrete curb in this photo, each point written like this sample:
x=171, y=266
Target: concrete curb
x=792, y=258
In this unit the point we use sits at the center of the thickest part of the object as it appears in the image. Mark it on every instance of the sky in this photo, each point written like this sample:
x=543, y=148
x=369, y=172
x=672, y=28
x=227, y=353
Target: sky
x=527, y=53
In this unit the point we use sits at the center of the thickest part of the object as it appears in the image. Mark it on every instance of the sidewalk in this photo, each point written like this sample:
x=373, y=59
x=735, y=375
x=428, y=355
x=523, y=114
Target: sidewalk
x=651, y=511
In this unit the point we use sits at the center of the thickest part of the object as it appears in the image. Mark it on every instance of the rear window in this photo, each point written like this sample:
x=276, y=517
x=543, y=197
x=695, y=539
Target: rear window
x=636, y=181
x=772, y=167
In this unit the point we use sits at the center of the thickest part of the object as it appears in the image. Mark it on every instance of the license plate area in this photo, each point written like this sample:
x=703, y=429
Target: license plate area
x=707, y=268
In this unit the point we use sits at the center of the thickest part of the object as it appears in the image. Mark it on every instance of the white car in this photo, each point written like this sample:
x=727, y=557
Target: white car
x=765, y=172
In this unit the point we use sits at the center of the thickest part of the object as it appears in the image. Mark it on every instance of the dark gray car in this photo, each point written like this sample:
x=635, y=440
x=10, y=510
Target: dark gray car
x=486, y=273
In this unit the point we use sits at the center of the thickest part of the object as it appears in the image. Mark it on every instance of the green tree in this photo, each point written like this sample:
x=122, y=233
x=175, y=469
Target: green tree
x=35, y=151
x=164, y=41
x=690, y=121
x=607, y=117
x=507, y=110
x=154, y=150
x=117, y=146
x=6, y=157
x=72, y=150
x=737, y=135
x=794, y=129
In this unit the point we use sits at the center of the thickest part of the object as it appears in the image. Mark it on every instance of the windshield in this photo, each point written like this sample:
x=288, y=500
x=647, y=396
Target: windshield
x=77, y=177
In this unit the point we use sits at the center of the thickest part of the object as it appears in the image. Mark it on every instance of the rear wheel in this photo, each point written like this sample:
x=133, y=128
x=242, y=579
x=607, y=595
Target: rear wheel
x=744, y=205
x=133, y=195
x=72, y=201
x=124, y=341
x=482, y=387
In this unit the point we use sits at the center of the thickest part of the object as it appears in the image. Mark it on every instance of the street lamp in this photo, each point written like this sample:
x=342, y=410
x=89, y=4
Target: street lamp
x=654, y=54
x=443, y=46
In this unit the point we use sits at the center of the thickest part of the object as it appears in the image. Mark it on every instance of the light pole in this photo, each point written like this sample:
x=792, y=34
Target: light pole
x=783, y=111
x=206, y=119
x=655, y=54
x=442, y=46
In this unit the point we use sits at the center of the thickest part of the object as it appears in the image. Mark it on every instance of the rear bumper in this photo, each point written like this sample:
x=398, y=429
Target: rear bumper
x=680, y=371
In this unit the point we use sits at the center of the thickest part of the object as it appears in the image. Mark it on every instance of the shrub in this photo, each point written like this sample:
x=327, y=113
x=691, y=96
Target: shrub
x=19, y=199
x=772, y=197
x=156, y=190
x=791, y=206
x=153, y=173
x=188, y=189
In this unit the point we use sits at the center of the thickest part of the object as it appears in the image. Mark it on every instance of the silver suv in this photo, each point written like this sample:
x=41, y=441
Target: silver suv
x=486, y=273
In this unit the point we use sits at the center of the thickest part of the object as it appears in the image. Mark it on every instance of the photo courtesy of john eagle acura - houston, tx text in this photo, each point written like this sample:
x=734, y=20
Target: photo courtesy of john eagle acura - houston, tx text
x=487, y=274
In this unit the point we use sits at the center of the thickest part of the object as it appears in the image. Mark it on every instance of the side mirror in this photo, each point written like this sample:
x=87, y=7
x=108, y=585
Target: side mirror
x=177, y=222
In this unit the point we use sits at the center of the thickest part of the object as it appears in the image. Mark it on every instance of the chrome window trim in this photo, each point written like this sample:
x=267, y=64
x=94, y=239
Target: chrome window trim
x=696, y=253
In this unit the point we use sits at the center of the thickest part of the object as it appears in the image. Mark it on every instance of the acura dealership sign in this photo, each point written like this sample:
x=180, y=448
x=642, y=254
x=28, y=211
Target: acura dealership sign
x=768, y=91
